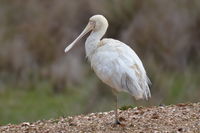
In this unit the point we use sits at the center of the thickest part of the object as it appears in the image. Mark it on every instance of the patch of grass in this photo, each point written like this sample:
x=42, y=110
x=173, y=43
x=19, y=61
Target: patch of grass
x=18, y=105
x=184, y=86
x=126, y=107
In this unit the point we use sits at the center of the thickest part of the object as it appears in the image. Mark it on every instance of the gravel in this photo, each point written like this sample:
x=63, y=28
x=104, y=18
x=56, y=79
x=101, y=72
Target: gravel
x=180, y=118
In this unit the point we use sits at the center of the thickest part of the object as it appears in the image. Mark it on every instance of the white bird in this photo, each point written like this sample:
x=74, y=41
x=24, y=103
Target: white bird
x=114, y=62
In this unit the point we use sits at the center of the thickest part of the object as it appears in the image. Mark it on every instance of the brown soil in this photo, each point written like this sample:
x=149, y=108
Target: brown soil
x=166, y=119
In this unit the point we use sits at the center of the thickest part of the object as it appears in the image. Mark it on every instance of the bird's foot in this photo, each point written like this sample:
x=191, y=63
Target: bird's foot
x=161, y=105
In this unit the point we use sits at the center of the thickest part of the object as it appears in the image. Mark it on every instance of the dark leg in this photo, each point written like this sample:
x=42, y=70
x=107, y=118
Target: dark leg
x=116, y=112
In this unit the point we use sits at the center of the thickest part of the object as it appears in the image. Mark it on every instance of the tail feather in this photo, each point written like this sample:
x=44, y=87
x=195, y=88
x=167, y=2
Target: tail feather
x=138, y=89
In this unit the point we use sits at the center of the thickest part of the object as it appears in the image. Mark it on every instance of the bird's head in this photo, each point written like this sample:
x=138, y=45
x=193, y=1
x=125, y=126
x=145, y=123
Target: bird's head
x=96, y=23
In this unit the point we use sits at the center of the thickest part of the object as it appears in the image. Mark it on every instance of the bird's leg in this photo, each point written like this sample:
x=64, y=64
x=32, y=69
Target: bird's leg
x=116, y=111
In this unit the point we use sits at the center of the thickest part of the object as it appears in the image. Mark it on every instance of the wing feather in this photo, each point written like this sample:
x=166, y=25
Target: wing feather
x=119, y=66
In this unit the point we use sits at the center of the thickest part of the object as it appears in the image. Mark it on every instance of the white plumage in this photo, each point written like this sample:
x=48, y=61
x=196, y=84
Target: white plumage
x=114, y=62
x=117, y=65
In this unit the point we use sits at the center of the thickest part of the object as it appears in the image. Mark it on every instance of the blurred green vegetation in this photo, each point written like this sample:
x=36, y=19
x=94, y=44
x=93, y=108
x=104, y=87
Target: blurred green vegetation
x=38, y=81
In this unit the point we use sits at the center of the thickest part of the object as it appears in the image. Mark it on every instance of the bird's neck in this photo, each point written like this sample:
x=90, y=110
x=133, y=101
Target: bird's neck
x=92, y=42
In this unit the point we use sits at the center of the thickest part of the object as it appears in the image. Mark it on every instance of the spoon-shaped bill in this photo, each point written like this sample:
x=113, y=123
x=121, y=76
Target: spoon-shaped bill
x=88, y=28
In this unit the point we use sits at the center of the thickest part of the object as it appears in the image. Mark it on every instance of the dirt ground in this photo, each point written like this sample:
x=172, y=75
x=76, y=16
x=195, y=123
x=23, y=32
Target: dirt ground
x=166, y=119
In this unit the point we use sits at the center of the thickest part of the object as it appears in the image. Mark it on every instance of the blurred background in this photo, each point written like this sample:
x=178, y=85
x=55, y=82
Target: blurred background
x=39, y=81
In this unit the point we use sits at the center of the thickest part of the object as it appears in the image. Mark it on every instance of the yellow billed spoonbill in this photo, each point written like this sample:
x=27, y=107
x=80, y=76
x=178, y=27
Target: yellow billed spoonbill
x=114, y=62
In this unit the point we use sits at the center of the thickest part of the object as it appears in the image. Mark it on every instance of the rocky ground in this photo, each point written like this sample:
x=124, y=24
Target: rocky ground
x=166, y=119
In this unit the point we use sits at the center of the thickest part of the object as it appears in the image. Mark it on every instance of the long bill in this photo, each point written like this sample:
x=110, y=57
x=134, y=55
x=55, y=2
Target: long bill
x=87, y=29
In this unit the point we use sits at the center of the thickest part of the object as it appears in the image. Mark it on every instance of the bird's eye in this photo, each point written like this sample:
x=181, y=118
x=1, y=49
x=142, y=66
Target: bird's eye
x=92, y=22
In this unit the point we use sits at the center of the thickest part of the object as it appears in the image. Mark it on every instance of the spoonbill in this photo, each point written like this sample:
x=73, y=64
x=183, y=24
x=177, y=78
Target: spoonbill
x=114, y=62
